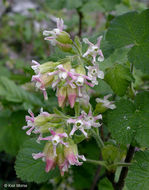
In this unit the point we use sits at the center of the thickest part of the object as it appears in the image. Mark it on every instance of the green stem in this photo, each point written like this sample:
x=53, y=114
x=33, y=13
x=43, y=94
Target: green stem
x=77, y=109
x=121, y=164
x=97, y=138
x=77, y=49
x=103, y=163
x=97, y=162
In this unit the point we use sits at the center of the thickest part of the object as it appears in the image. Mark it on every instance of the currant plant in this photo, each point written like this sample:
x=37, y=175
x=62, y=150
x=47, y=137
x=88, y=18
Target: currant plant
x=55, y=137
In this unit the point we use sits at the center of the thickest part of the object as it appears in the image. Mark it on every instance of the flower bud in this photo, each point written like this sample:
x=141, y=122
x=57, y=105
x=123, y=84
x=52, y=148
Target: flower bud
x=71, y=154
x=61, y=159
x=61, y=94
x=49, y=157
x=72, y=94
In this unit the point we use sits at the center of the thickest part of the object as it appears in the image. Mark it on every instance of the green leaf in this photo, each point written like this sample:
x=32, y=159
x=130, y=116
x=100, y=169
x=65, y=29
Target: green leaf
x=132, y=29
x=139, y=56
x=118, y=56
x=12, y=136
x=130, y=120
x=105, y=184
x=119, y=78
x=121, y=122
x=138, y=174
x=13, y=93
x=142, y=118
x=109, y=5
x=84, y=174
x=110, y=153
x=31, y=170
x=122, y=30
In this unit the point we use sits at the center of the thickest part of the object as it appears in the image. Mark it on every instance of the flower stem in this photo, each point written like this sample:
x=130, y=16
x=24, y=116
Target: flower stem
x=77, y=109
x=97, y=138
x=97, y=162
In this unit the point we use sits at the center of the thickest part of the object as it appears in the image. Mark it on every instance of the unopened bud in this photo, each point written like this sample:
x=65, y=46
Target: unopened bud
x=50, y=159
x=72, y=94
x=61, y=94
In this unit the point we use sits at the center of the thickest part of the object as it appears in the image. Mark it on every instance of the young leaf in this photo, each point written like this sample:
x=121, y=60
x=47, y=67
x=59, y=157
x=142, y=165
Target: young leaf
x=31, y=170
x=138, y=175
x=118, y=77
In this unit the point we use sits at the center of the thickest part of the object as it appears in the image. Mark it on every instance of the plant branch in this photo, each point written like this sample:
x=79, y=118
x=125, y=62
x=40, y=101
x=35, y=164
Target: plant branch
x=80, y=14
x=97, y=174
x=111, y=176
x=96, y=178
x=129, y=156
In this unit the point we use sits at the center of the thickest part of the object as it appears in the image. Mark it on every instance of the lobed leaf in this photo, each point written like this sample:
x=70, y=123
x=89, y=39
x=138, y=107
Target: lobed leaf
x=138, y=174
x=31, y=170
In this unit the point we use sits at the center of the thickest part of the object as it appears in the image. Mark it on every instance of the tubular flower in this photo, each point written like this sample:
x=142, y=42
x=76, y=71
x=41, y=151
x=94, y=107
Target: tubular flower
x=40, y=124
x=64, y=75
x=42, y=79
x=84, y=121
x=47, y=156
x=68, y=82
x=59, y=37
x=94, y=50
x=106, y=103
x=66, y=156
x=55, y=138
x=71, y=157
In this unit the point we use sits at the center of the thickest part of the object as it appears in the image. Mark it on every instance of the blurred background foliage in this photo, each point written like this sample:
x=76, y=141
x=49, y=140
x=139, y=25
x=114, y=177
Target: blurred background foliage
x=21, y=40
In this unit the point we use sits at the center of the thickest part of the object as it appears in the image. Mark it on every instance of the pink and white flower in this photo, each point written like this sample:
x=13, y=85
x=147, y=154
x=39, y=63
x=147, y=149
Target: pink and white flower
x=90, y=120
x=106, y=103
x=47, y=156
x=94, y=73
x=30, y=122
x=53, y=34
x=94, y=50
x=83, y=122
x=71, y=158
x=33, y=123
x=55, y=138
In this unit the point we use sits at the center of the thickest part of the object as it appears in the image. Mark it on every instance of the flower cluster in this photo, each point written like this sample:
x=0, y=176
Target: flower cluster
x=73, y=85
x=59, y=148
